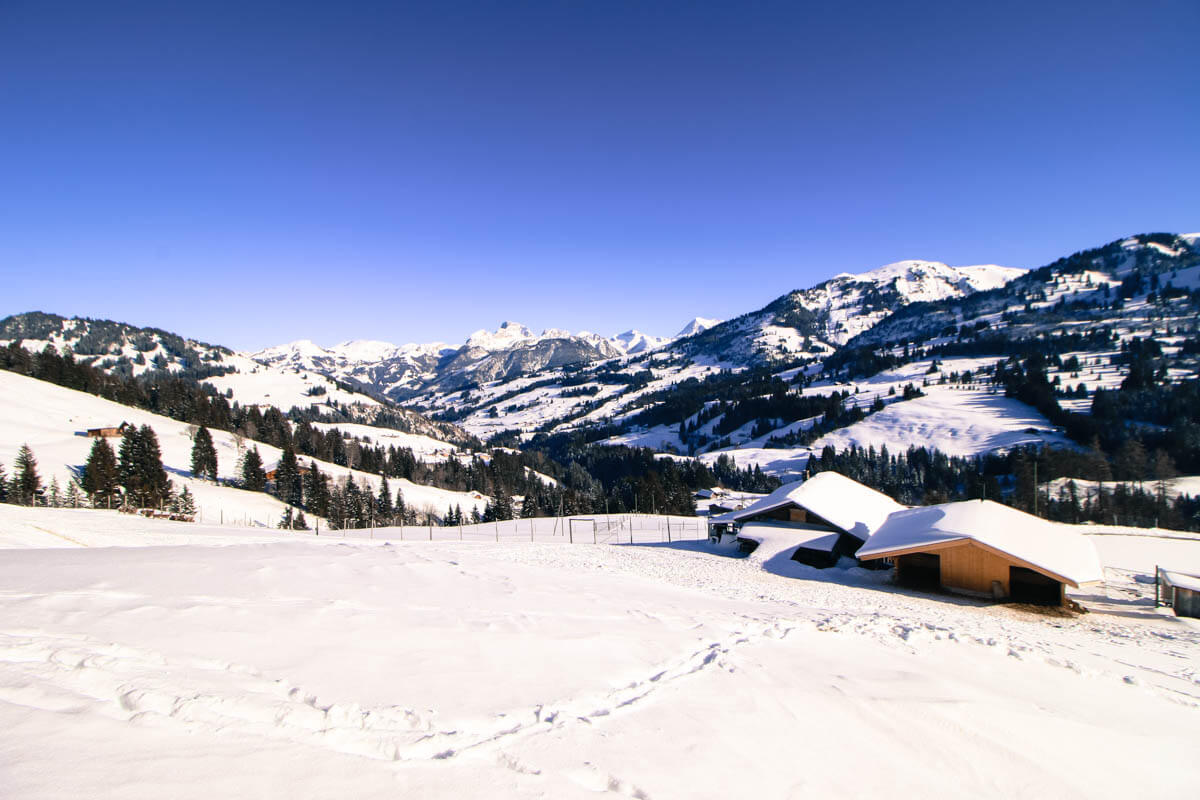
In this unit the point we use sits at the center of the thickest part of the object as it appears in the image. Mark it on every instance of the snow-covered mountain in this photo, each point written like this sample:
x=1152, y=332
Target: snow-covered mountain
x=697, y=325
x=301, y=374
x=1130, y=287
x=410, y=371
x=814, y=322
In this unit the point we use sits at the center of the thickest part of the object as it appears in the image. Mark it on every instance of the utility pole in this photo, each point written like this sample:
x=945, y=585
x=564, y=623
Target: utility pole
x=1035, y=486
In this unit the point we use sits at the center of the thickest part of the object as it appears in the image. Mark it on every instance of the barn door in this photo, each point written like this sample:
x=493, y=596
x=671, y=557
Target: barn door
x=1027, y=586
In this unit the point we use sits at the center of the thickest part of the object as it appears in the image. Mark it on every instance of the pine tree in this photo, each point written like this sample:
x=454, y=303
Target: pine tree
x=186, y=503
x=254, y=477
x=204, y=455
x=287, y=479
x=140, y=469
x=54, y=496
x=399, y=509
x=316, y=490
x=383, y=503
x=25, y=481
x=71, y=500
x=503, y=508
x=3, y=485
x=100, y=473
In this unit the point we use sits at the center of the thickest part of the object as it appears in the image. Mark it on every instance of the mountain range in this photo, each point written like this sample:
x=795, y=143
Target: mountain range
x=512, y=379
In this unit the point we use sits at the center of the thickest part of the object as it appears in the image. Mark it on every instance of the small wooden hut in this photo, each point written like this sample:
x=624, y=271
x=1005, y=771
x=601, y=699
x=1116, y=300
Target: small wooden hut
x=109, y=431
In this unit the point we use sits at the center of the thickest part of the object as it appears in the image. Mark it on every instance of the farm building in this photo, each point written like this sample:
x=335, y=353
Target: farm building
x=1178, y=590
x=985, y=549
x=300, y=470
x=831, y=515
x=117, y=430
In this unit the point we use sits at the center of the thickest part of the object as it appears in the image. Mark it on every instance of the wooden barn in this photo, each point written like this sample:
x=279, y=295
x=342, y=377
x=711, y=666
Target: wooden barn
x=1178, y=590
x=985, y=549
x=830, y=514
x=110, y=431
x=301, y=470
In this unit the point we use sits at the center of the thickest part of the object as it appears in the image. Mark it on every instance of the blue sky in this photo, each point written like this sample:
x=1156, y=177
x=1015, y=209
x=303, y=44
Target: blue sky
x=252, y=173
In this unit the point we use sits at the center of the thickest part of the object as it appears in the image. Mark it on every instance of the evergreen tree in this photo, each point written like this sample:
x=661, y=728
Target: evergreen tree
x=204, y=455
x=383, y=504
x=400, y=510
x=316, y=490
x=100, y=480
x=3, y=485
x=25, y=481
x=140, y=469
x=54, y=496
x=503, y=508
x=287, y=479
x=254, y=477
x=71, y=499
x=299, y=523
x=185, y=503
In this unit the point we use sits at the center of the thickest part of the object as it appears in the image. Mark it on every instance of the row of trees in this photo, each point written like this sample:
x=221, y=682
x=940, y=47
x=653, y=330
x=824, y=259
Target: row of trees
x=134, y=477
x=922, y=476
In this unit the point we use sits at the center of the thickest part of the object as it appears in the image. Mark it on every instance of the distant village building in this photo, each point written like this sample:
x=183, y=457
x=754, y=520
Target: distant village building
x=118, y=430
x=985, y=549
x=830, y=514
x=302, y=470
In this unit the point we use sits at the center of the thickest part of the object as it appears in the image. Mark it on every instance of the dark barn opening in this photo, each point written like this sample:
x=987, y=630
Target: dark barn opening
x=919, y=570
x=821, y=559
x=1027, y=586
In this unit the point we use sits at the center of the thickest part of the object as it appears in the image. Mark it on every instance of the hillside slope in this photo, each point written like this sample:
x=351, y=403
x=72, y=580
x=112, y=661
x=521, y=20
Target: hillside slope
x=52, y=419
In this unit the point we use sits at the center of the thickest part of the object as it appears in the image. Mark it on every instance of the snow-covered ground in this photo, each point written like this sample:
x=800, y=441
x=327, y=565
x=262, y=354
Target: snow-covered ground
x=238, y=664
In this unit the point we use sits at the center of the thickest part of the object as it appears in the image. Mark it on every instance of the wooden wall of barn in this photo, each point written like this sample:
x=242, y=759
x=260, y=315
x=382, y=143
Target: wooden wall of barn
x=973, y=569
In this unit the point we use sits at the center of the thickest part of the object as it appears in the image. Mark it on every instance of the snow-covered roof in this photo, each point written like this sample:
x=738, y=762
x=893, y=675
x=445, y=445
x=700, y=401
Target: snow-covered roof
x=1048, y=546
x=810, y=537
x=849, y=505
x=1181, y=580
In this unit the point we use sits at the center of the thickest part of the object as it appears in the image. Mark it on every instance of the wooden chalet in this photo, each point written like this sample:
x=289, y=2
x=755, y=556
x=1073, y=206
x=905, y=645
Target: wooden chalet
x=302, y=470
x=830, y=515
x=985, y=549
x=109, y=432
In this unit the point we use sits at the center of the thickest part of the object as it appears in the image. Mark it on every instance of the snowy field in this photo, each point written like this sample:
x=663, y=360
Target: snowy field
x=148, y=659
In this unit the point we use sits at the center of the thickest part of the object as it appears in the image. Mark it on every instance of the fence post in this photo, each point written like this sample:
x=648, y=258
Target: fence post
x=571, y=530
x=431, y=531
x=668, y=530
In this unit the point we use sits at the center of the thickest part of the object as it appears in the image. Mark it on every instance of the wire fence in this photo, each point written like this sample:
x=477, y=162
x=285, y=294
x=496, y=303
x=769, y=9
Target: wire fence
x=582, y=529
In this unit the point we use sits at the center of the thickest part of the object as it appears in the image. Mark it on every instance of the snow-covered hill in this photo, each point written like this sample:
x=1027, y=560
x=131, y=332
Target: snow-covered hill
x=300, y=382
x=814, y=322
x=52, y=420
x=1132, y=287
